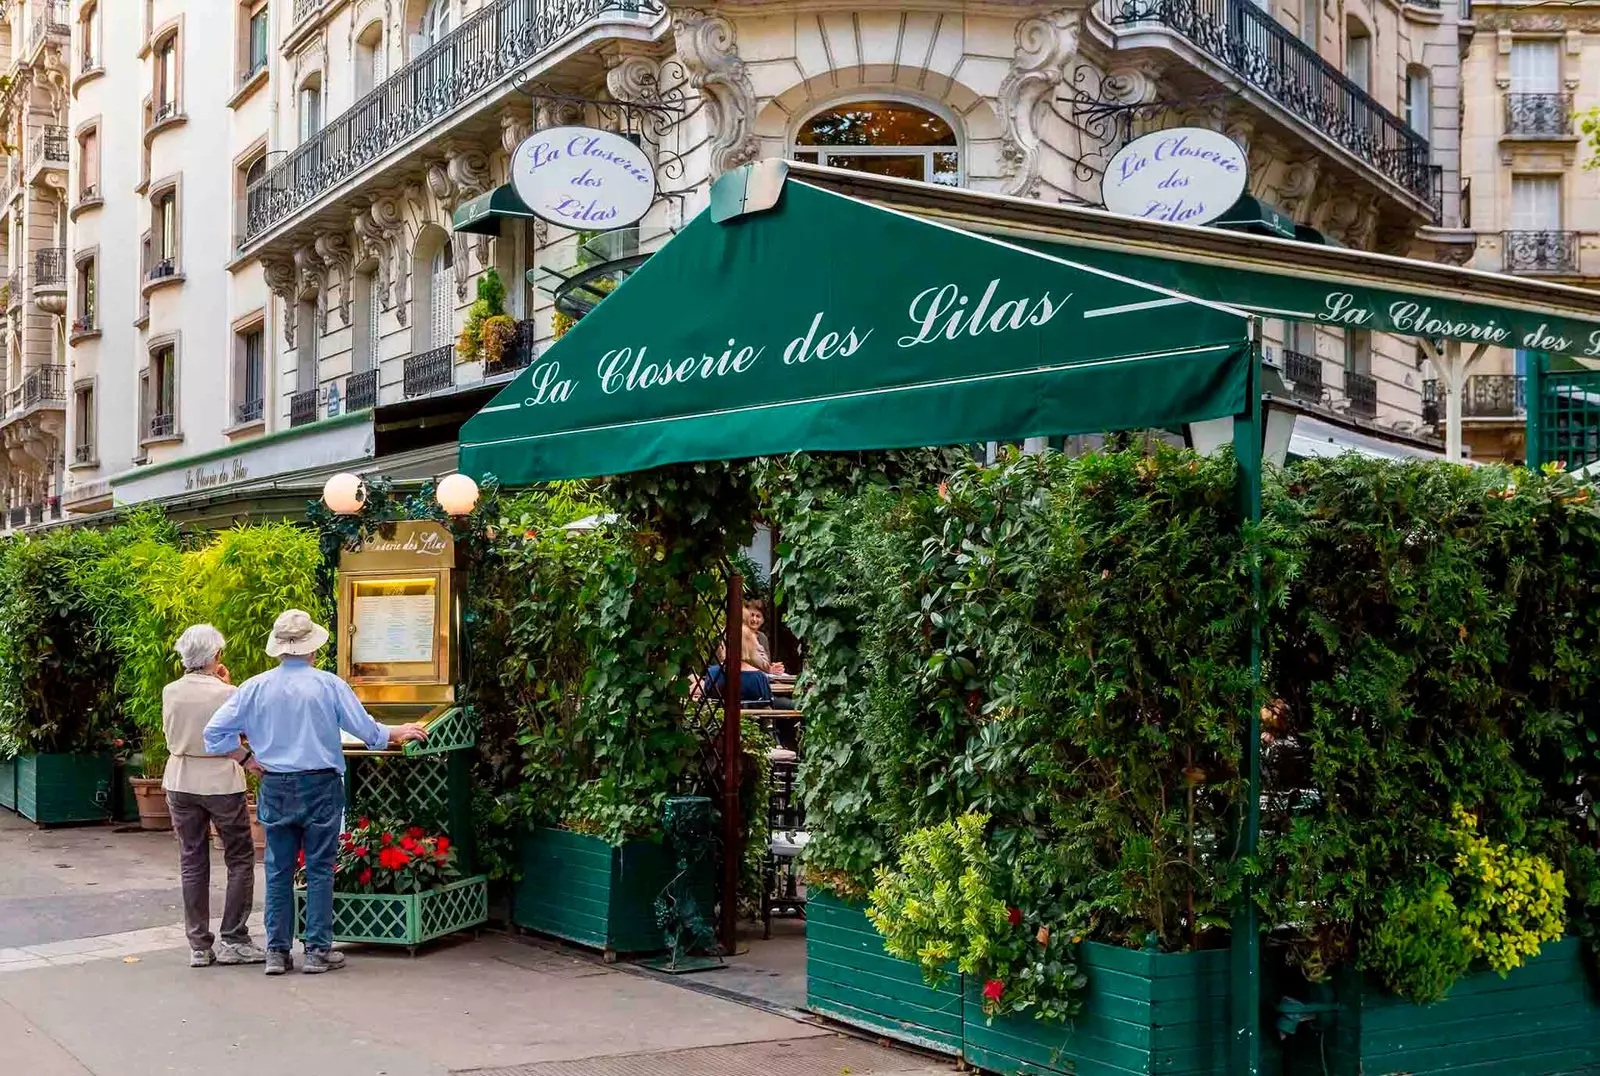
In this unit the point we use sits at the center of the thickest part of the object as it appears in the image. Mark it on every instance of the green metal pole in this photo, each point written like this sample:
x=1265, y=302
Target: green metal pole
x=1534, y=401
x=1245, y=947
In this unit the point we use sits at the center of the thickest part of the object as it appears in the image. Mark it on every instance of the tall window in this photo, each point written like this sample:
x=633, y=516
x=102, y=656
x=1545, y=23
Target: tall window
x=249, y=176
x=89, y=32
x=436, y=22
x=307, y=345
x=1536, y=66
x=886, y=138
x=86, y=295
x=369, y=59
x=1358, y=55
x=164, y=229
x=256, y=40
x=1310, y=21
x=163, y=391
x=83, y=423
x=373, y=336
x=1419, y=102
x=250, y=381
x=441, y=316
x=1536, y=203
x=167, y=77
x=310, y=110
x=89, y=164
x=1358, y=351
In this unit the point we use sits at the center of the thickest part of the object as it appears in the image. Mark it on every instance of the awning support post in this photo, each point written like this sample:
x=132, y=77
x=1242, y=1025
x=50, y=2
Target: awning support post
x=1453, y=369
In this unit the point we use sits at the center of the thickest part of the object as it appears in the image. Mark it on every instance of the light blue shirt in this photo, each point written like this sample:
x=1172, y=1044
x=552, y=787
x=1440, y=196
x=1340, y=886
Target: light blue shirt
x=292, y=716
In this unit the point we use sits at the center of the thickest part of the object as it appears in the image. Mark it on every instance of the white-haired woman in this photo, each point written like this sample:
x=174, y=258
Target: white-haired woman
x=205, y=790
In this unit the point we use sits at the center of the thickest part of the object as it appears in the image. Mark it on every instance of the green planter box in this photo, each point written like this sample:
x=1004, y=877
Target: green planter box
x=585, y=890
x=53, y=789
x=851, y=979
x=8, y=783
x=1144, y=1013
x=1542, y=1019
x=408, y=919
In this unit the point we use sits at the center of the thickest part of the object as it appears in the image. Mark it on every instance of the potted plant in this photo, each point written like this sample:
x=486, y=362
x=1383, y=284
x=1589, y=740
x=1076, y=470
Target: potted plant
x=395, y=884
x=489, y=330
x=147, y=790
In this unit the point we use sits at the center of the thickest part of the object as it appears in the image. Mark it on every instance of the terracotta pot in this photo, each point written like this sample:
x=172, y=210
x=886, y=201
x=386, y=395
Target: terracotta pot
x=152, y=801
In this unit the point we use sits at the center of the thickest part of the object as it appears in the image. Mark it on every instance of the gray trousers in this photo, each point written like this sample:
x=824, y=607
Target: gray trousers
x=192, y=817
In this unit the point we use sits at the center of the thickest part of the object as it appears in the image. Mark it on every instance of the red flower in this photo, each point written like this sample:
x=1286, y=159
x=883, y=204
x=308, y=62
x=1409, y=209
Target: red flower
x=362, y=851
x=408, y=844
x=391, y=859
x=416, y=833
x=1014, y=916
x=387, y=839
x=363, y=822
x=345, y=836
x=366, y=876
x=443, y=844
x=993, y=989
x=302, y=857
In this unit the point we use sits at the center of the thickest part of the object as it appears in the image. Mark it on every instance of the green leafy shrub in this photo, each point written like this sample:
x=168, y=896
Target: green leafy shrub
x=488, y=307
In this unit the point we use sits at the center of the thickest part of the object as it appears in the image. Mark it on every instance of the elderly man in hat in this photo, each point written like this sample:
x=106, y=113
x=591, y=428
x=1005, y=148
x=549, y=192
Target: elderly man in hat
x=292, y=716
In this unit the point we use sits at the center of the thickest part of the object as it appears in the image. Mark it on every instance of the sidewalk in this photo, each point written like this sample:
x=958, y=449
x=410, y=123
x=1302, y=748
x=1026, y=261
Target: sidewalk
x=125, y=1003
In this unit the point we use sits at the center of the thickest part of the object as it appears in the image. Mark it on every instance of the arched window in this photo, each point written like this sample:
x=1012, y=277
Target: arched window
x=884, y=137
x=310, y=108
x=369, y=59
x=436, y=21
x=442, y=283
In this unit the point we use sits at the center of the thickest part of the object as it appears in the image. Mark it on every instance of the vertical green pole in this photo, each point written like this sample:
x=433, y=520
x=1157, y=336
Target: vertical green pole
x=1245, y=954
x=1533, y=400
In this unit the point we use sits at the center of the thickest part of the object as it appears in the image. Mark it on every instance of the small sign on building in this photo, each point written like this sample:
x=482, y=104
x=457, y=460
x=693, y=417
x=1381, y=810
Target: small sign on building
x=1186, y=175
x=583, y=178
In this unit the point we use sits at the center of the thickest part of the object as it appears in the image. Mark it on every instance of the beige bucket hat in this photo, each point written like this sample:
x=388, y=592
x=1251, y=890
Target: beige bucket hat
x=295, y=634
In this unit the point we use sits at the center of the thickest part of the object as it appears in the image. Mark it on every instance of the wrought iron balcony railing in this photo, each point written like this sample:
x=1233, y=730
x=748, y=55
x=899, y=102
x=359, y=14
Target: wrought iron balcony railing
x=82, y=453
x=45, y=385
x=1431, y=413
x=50, y=145
x=489, y=49
x=84, y=322
x=430, y=371
x=1495, y=396
x=164, y=111
x=1251, y=43
x=304, y=9
x=361, y=391
x=1362, y=392
x=1304, y=373
x=1539, y=252
x=1547, y=115
x=517, y=354
x=50, y=267
x=53, y=19
x=303, y=407
x=250, y=411
x=160, y=425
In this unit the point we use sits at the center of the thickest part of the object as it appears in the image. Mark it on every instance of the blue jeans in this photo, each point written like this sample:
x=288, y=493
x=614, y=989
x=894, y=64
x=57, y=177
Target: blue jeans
x=300, y=812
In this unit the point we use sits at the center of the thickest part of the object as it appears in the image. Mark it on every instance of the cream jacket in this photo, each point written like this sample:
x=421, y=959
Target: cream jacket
x=186, y=705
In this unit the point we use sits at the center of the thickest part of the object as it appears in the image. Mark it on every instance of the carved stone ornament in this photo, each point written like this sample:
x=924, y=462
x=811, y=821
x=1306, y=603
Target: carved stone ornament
x=468, y=169
x=389, y=219
x=1044, y=44
x=709, y=51
x=372, y=244
x=637, y=80
x=333, y=247
x=312, y=275
x=1297, y=182
x=514, y=129
x=280, y=275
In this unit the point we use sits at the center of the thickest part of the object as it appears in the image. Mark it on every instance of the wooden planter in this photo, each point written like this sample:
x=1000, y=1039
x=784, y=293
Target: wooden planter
x=586, y=890
x=1543, y=1019
x=1144, y=1013
x=56, y=789
x=408, y=919
x=851, y=979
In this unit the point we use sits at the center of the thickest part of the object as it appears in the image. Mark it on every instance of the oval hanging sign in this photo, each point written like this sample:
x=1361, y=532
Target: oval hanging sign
x=1186, y=175
x=583, y=178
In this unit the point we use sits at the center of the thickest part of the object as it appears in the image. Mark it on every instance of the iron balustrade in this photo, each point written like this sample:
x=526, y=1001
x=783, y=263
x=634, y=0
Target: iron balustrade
x=163, y=268
x=249, y=411
x=89, y=192
x=1304, y=373
x=83, y=453
x=361, y=391
x=1539, y=114
x=83, y=323
x=165, y=111
x=1430, y=402
x=489, y=49
x=304, y=9
x=303, y=407
x=1539, y=251
x=54, y=19
x=50, y=144
x=430, y=371
x=160, y=425
x=1362, y=392
x=45, y=385
x=1251, y=43
x=50, y=267
x=1495, y=396
x=517, y=354
x=14, y=289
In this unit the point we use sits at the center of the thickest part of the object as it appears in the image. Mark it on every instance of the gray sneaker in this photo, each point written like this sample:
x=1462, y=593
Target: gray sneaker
x=321, y=960
x=240, y=953
x=278, y=963
x=201, y=958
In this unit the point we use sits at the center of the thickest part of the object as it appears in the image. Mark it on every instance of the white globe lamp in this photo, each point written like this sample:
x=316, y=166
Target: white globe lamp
x=457, y=494
x=343, y=493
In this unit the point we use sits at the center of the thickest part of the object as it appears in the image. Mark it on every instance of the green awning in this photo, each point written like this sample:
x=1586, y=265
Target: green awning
x=1250, y=214
x=481, y=215
x=828, y=323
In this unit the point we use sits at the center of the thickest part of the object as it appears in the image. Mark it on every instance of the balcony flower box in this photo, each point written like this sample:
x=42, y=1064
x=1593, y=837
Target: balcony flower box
x=849, y=978
x=408, y=919
x=584, y=889
x=58, y=789
x=1543, y=1019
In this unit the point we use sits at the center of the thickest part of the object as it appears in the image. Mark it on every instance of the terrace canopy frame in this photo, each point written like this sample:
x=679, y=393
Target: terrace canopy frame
x=789, y=317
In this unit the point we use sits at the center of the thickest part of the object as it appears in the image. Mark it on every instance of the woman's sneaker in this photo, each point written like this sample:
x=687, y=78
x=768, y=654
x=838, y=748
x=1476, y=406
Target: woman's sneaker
x=279, y=963
x=240, y=953
x=201, y=958
x=321, y=960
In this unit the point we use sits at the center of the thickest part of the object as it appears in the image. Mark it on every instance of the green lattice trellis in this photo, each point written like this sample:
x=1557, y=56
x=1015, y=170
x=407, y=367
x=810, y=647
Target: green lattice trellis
x=404, y=919
x=454, y=730
x=413, y=791
x=1563, y=415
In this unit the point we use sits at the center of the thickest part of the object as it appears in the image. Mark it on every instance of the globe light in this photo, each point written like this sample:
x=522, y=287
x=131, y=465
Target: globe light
x=343, y=493
x=457, y=494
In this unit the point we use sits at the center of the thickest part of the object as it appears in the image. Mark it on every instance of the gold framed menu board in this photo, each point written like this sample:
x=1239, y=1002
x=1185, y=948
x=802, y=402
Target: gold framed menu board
x=397, y=609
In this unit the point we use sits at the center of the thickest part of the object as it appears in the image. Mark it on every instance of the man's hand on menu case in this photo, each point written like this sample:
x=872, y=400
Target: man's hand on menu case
x=399, y=734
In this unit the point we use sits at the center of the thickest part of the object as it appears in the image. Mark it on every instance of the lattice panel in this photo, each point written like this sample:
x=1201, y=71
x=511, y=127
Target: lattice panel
x=1569, y=418
x=453, y=731
x=458, y=906
x=364, y=917
x=413, y=791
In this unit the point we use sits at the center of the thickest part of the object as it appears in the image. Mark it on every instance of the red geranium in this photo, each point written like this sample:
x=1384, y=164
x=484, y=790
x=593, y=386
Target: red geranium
x=416, y=833
x=408, y=843
x=363, y=822
x=302, y=860
x=361, y=851
x=993, y=989
x=385, y=856
x=442, y=844
x=1014, y=916
x=366, y=877
x=387, y=839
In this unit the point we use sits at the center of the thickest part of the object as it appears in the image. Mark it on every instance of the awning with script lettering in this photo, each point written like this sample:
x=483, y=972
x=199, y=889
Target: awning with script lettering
x=829, y=323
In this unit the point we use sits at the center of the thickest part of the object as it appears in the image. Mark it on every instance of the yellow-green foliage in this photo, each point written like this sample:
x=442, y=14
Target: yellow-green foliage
x=1513, y=902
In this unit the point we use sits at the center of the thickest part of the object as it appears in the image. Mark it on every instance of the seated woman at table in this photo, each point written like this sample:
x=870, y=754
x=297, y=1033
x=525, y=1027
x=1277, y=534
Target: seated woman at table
x=759, y=655
x=754, y=685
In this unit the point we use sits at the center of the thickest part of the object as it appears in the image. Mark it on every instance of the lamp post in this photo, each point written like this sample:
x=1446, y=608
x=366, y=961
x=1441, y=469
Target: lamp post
x=345, y=493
